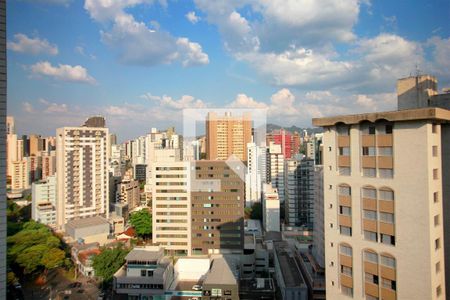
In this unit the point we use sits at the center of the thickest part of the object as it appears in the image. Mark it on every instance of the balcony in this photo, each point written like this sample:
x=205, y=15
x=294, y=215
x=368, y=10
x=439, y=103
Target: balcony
x=368, y=140
x=384, y=140
x=344, y=141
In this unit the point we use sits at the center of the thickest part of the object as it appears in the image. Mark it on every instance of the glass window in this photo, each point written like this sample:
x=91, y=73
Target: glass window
x=386, y=173
x=387, y=239
x=437, y=243
x=345, y=191
x=388, y=129
x=371, y=278
x=435, y=174
x=143, y=273
x=346, y=270
x=388, y=261
x=344, y=151
x=345, y=250
x=370, y=235
x=368, y=151
x=436, y=220
x=343, y=130
x=370, y=214
x=435, y=151
x=385, y=151
x=371, y=129
x=435, y=197
x=344, y=230
x=369, y=172
x=345, y=210
x=344, y=171
x=347, y=291
x=370, y=193
x=386, y=195
x=387, y=217
x=371, y=257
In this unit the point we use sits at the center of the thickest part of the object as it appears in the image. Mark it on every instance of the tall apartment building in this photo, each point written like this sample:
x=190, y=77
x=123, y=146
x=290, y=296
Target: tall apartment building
x=43, y=201
x=128, y=192
x=271, y=209
x=20, y=175
x=82, y=172
x=171, y=206
x=217, y=212
x=256, y=173
x=275, y=169
x=290, y=142
x=318, y=249
x=383, y=210
x=48, y=164
x=227, y=135
x=291, y=192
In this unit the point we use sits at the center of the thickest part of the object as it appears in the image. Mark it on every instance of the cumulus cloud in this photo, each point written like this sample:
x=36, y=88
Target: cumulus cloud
x=192, y=17
x=51, y=2
x=24, y=44
x=186, y=101
x=62, y=72
x=137, y=44
x=52, y=107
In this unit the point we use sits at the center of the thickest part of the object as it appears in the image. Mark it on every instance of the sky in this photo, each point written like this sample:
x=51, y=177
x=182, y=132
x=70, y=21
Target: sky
x=139, y=63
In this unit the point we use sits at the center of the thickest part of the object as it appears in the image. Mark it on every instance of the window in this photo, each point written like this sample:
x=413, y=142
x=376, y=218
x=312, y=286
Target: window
x=388, y=261
x=387, y=217
x=434, y=128
x=438, y=291
x=370, y=235
x=345, y=250
x=344, y=151
x=386, y=173
x=347, y=291
x=371, y=278
x=435, y=151
x=371, y=257
x=369, y=172
x=346, y=270
x=343, y=130
x=344, y=230
x=344, y=171
x=387, y=239
x=370, y=214
x=345, y=191
x=436, y=220
x=369, y=193
x=371, y=129
x=389, y=284
x=344, y=210
x=385, y=151
x=435, y=197
x=435, y=174
x=329, y=149
x=388, y=129
x=386, y=195
x=438, y=267
x=368, y=151
x=143, y=273
x=437, y=244
x=150, y=273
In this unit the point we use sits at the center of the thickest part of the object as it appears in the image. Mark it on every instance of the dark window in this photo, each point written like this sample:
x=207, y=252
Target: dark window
x=143, y=273
x=371, y=129
x=388, y=129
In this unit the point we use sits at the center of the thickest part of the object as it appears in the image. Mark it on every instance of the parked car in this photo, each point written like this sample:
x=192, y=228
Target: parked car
x=197, y=287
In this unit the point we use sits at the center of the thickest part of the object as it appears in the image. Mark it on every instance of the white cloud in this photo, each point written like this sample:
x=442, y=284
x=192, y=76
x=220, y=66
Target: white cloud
x=34, y=46
x=440, y=63
x=51, y=2
x=52, y=107
x=186, y=101
x=80, y=50
x=137, y=44
x=27, y=107
x=63, y=72
x=192, y=17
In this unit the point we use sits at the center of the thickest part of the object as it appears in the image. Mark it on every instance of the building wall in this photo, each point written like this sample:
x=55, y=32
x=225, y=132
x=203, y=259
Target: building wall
x=43, y=201
x=271, y=209
x=415, y=91
x=318, y=232
x=445, y=153
x=256, y=173
x=414, y=210
x=82, y=168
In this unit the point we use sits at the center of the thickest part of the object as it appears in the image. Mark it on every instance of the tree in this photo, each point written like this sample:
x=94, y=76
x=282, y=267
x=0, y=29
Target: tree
x=109, y=261
x=256, y=211
x=53, y=258
x=142, y=222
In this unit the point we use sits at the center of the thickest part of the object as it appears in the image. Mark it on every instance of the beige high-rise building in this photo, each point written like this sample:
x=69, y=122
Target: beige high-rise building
x=171, y=206
x=227, y=135
x=82, y=173
x=383, y=207
x=20, y=175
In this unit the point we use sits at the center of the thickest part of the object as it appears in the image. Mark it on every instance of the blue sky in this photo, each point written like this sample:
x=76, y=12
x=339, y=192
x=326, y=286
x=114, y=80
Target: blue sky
x=140, y=62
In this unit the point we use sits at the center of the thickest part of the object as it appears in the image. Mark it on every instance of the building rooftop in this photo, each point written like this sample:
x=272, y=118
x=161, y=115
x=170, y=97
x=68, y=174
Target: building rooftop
x=220, y=273
x=291, y=273
x=87, y=222
x=429, y=113
x=151, y=253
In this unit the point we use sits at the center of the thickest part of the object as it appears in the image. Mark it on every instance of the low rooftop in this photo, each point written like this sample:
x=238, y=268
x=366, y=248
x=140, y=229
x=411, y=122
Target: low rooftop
x=429, y=113
x=291, y=273
x=219, y=273
x=87, y=222
x=149, y=253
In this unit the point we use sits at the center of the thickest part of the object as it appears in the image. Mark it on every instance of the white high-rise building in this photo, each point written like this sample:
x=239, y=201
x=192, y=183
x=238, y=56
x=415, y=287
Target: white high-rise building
x=82, y=168
x=43, y=205
x=271, y=209
x=171, y=206
x=256, y=173
x=276, y=169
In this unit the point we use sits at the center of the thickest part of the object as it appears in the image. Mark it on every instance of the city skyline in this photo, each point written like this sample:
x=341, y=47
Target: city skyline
x=339, y=60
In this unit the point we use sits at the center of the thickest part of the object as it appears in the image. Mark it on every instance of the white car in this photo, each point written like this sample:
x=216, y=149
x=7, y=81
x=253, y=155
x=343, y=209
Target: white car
x=197, y=287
